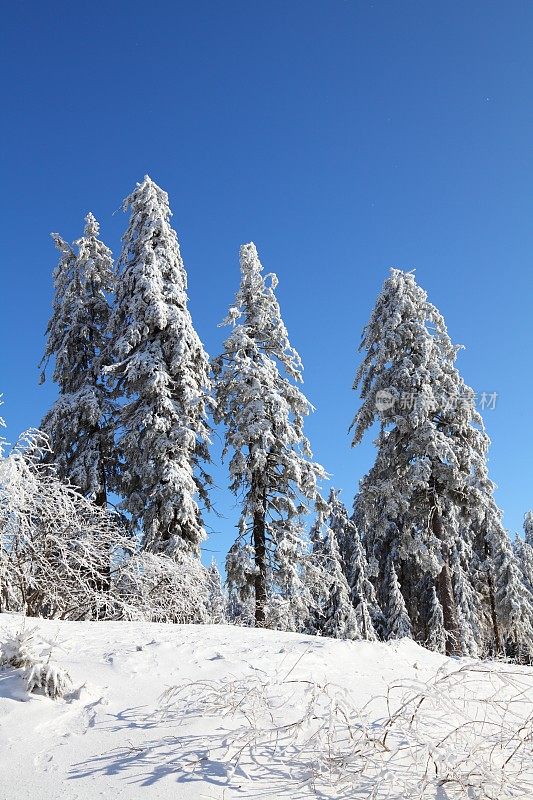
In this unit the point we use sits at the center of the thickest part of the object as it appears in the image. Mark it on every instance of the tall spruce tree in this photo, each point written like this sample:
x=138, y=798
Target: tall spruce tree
x=332, y=612
x=523, y=551
x=528, y=528
x=398, y=624
x=355, y=567
x=512, y=603
x=80, y=423
x=240, y=571
x=217, y=609
x=436, y=639
x=271, y=466
x=428, y=491
x=159, y=368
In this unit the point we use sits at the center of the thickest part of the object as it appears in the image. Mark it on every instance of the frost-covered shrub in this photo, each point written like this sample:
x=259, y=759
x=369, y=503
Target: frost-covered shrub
x=57, y=549
x=63, y=557
x=48, y=679
x=26, y=651
x=19, y=650
x=162, y=589
x=464, y=732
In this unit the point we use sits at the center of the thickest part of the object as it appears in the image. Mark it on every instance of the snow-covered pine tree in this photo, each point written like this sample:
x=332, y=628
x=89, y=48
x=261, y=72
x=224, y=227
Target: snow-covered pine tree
x=158, y=365
x=398, y=624
x=494, y=569
x=355, y=568
x=512, y=601
x=332, y=613
x=523, y=549
x=263, y=411
x=217, y=601
x=240, y=571
x=528, y=528
x=436, y=638
x=471, y=636
x=79, y=424
x=429, y=486
x=523, y=553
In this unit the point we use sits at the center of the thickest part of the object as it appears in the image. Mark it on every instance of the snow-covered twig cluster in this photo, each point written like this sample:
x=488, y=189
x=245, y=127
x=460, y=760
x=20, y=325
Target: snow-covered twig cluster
x=467, y=731
x=159, y=588
x=61, y=556
x=56, y=548
x=27, y=652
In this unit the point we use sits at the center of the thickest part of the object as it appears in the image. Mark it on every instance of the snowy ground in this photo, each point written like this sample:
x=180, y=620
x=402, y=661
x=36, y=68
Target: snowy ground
x=233, y=731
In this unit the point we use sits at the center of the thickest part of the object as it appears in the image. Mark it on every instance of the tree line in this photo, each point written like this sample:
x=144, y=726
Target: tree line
x=424, y=552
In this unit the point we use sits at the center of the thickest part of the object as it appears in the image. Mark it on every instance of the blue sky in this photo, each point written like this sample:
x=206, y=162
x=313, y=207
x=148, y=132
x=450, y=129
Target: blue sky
x=342, y=137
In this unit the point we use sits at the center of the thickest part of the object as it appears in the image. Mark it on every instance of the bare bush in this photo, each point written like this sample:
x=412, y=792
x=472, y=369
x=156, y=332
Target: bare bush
x=25, y=650
x=56, y=547
x=467, y=733
x=159, y=588
x=19, y=650
x=63, y=557
x=48, y=679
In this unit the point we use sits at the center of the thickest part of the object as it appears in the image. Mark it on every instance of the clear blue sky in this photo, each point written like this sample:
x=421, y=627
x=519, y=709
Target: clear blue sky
x=342, y=137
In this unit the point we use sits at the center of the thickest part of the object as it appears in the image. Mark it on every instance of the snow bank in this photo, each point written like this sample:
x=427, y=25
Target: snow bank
x=237, y=688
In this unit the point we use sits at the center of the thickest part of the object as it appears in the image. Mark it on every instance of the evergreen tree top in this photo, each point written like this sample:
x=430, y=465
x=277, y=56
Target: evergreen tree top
x=92, y=227
x=150, y=233
x=76, y=330
x=259, y=330
x=408, y=375
x=157, y=363
x=528, y=528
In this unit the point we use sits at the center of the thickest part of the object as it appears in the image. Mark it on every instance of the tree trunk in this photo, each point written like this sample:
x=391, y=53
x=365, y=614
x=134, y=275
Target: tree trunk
x=444, y=589
x=498, y=644
x=259, y=534
x=101, y=496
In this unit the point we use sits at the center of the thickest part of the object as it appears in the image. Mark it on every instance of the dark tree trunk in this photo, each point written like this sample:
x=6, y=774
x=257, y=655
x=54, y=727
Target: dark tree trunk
x=444, y=589
x=260, y=581
x=101, y=496
x=497, y=638
x=498, y=644
x=103, y=582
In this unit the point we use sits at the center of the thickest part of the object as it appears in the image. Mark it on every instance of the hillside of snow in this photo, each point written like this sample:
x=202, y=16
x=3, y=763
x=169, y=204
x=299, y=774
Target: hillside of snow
x=221, y=712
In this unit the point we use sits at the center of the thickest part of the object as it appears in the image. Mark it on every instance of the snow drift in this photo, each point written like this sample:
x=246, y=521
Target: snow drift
x=200, y=711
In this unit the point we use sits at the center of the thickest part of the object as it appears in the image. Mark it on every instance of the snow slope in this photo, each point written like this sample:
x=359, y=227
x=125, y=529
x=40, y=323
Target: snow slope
x=107, y=738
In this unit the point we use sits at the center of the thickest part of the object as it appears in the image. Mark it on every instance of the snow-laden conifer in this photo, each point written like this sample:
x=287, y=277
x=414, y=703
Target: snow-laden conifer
x=355, y=567
x=523, y=554
x=160, y=368
x=506, y=604
x=240, y=582
x=436, y=634
x=271, y=467
x=290, y=600
x=79, y=424
x=398, y=624
x=332, y=612
x=528, y=528
x=470, y=615
x=429, y=486
x=523, y=549
x=217, y=600
x=513, y=601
